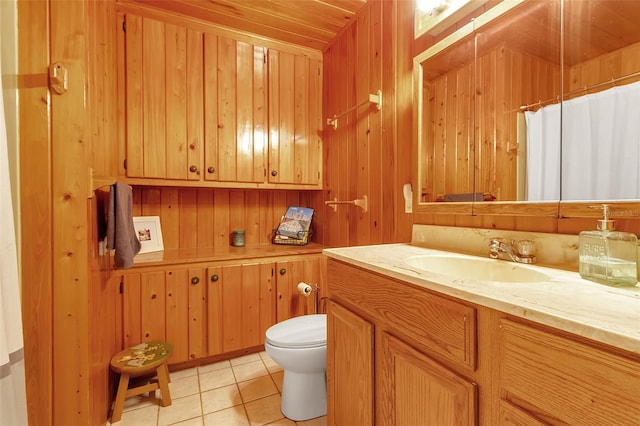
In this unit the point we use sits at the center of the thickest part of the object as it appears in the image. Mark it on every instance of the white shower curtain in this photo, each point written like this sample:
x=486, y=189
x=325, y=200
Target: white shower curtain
x=13, y=405
x=543, y=154
x=600, y=147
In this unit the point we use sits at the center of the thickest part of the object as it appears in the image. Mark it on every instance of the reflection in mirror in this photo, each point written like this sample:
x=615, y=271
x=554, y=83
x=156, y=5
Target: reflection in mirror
x=472, y=144
x=601, y=100
x=483, y=90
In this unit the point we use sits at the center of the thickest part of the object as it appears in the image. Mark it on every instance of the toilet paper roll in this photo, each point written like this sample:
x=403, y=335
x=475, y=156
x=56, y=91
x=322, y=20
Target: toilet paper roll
x=304, y=289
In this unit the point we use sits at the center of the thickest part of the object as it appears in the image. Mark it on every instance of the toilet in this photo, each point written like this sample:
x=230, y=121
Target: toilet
x=299, y=346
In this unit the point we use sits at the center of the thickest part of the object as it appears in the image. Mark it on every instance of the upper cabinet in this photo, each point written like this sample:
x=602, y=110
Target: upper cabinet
x=206, y=109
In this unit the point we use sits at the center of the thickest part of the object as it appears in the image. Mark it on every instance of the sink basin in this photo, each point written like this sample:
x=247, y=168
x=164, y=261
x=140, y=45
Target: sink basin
x=476, y=268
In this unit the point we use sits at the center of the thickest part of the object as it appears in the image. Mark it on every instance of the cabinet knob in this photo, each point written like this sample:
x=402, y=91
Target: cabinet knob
x=193, y=169
x=214, y=278
x=211, y=170
x=220, y=126
x=274, y=173
x=283, y=271
x=195, y=280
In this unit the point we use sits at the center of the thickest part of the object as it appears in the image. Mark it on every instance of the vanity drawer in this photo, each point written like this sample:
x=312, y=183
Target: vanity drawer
x=563, y=381
x=438, y=326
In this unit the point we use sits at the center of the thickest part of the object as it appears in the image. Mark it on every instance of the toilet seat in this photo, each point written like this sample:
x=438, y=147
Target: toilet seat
x=306, y=331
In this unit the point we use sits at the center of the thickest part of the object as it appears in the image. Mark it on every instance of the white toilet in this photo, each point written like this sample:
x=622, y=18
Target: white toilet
x=299, y=346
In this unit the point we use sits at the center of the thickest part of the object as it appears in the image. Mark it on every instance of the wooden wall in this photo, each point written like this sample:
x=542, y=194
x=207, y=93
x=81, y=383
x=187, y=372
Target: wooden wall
x=205, y=217
x=370, y=151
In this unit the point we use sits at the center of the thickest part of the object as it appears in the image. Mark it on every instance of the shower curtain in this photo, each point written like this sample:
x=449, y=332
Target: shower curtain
x=600, y=135
x=13, y=405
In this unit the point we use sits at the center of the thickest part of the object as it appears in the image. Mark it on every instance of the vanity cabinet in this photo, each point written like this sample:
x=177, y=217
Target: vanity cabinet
x=216, y=307
x=418, y=348
x=560, y=380
x=204, y=108
x=406, y=354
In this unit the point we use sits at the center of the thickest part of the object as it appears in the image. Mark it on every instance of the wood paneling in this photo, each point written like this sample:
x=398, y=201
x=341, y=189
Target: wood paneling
x=36, y=212
x=311, y=23
x=205, y=218
x=367, y=153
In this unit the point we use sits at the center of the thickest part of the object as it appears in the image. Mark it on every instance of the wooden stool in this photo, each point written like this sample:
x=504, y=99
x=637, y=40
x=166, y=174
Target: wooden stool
x=140, y=360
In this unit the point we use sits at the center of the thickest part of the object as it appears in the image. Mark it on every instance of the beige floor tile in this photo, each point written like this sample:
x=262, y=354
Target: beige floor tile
x=257, y=388
x=220, y=398
x=140, y=401
x=198, y=421
x=234, y=416
x=271, y=365
x=179, y=410
x=282, y=422
x=146, y=416
x=245, y=359
x=264, y=410
x=248, y=371
x=277, y=378
x=174, y=375
x=216, y=379
x=318, y=421
x=214, y=366
x=184, y=386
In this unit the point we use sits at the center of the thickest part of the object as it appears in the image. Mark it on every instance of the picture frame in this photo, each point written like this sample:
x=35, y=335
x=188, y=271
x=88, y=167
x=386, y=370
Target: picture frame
x=149, y=233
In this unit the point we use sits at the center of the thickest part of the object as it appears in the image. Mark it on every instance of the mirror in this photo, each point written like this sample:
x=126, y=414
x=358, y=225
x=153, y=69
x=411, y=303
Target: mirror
x=481, y=90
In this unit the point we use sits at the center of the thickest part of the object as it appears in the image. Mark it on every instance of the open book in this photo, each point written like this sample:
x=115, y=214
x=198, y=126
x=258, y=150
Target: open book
x=295, y=225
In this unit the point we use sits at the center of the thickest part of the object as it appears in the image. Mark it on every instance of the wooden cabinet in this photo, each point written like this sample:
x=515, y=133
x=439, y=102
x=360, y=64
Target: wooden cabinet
x=167, y=305
x=558, y=380
x=235, y=102
x=295, y=119
x=350, y=366
x=216, y=308
x=424, y=347
x=416, y=390
x=241, y=305
x=207, y=108
x=442, y=361
x=164, y=108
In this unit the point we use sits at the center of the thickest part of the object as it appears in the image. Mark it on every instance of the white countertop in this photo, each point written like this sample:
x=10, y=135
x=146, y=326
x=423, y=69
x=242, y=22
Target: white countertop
x=567, y=302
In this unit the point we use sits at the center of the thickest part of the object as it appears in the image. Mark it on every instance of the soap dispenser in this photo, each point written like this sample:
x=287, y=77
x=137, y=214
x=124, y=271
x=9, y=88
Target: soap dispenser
x=608, y=256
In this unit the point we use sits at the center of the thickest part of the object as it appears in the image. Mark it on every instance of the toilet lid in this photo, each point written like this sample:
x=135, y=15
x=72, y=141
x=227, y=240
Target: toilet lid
x=299, y=332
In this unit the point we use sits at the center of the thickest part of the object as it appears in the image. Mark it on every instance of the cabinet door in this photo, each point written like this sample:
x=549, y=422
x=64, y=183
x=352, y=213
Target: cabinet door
x=241, y=306
x=167, y=306
x=290, y=303
x=349, y=368
x=414, y=390
x=164, y=106
x=235, y=98
x=295, y=121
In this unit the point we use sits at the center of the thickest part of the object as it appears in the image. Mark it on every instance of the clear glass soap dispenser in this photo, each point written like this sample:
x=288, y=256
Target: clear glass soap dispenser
x=608, y=256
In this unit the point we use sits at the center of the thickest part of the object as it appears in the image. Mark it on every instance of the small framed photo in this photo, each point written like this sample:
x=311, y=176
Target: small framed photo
x=149, y=233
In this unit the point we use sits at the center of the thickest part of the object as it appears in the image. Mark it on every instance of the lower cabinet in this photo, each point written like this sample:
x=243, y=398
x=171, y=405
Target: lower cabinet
x=397, y=355
x=403, y=355
x=557, y=380
x=416, y=390
x=215, y=308
x=167, y=305
x=349, y=368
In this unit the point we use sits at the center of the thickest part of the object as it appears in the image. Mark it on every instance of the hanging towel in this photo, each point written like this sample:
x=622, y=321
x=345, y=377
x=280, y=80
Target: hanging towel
x=121, y=234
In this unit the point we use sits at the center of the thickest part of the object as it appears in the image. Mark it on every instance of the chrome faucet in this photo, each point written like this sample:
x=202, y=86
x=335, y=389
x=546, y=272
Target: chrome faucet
x=522, y=251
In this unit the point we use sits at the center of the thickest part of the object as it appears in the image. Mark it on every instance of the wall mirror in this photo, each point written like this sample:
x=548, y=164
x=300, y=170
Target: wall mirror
x=491, y=95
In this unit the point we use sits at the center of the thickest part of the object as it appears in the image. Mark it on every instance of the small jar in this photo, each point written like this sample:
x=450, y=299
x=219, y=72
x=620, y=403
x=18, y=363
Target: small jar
x=237, y=239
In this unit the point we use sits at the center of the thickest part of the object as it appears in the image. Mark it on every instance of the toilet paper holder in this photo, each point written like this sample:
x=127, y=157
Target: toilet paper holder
x=306, y=290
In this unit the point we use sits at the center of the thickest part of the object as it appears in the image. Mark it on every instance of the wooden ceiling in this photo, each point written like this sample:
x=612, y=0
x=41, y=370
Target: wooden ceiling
x=308, y=23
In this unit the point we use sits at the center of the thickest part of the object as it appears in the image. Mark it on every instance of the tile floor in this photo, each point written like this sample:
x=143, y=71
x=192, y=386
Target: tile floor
x=238, y=392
